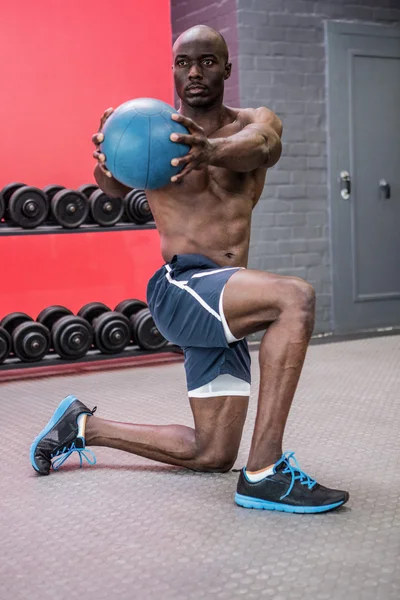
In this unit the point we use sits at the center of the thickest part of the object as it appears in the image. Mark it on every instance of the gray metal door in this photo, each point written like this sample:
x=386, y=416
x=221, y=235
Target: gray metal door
x=364, y=179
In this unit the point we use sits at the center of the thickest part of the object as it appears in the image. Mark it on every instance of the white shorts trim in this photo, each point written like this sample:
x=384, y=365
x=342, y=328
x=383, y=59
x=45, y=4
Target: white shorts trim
x=182, y=285
x=230, y=338
x=223, y=385
x=214, y=271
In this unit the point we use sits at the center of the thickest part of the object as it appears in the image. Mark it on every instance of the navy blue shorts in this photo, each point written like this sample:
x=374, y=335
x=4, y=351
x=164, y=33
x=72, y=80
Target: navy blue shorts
x=185, y=300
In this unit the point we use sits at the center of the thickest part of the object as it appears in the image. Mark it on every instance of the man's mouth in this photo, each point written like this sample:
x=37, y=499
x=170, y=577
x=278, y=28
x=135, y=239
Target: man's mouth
x=195, y=89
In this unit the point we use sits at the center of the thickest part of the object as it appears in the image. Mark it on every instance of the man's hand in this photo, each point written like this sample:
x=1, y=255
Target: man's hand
x=97, y=139
x=103, y=177
x=200, y=151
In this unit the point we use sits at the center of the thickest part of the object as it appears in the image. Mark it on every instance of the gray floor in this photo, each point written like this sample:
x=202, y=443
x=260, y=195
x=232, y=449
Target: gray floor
x=132, y=529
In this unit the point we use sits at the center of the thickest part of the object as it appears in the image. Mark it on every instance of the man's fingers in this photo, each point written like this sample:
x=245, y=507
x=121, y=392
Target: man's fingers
x=189, y=167
x=182, y=138
x=191, y=125
x=99, y=156
x=104, y=170
x=182, y=160
x=97, y=138
x=105, y=116
x=101, y=159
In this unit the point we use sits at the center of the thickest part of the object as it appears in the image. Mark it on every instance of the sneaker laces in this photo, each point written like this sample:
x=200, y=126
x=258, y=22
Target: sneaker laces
x=293, y=468
x=64, y=453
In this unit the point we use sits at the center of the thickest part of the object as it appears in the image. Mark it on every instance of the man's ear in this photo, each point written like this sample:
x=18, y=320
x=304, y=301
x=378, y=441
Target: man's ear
x=228, y=69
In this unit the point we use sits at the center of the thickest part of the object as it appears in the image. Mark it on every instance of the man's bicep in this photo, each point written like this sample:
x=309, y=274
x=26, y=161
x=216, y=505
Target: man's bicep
x=267, y=126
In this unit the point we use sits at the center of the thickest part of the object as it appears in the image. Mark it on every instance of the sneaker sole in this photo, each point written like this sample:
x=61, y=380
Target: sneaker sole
x=62, y=407
x=249, y=502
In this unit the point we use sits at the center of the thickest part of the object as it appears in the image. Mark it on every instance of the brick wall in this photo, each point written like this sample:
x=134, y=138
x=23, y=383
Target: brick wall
x=282, y=66
x=220, y=15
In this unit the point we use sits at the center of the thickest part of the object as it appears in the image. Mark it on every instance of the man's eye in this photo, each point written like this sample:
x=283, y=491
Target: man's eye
x=181, y=63
x=208, y=62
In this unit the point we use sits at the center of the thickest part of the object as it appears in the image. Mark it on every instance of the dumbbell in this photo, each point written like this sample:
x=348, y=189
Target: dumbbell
x=87, y=189
x=103, y=209
x=69, y=208
x=25, y=205
x=144, y=331
x=137, y=208
x=5, y=344
x=50, y=191
x=112, y=331
x=71, y=337
x=30, y=341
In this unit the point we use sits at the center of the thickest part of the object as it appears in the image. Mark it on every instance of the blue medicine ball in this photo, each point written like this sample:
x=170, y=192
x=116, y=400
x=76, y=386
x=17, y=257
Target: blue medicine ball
x=137, y=146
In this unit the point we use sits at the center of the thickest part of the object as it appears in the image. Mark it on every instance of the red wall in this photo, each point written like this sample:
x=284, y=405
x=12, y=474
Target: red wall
x=62, y=65
x=75, y=268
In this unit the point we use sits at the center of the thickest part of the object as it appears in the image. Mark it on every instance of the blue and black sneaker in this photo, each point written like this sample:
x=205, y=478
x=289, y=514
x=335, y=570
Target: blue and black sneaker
x=61, y=437
x=288, y=489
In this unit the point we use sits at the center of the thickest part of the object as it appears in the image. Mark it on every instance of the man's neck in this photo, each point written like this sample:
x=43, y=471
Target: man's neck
x=210, y=118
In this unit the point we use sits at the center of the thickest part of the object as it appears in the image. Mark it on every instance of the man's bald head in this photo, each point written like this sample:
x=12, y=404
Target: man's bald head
x=203, y=33
x=200, y=66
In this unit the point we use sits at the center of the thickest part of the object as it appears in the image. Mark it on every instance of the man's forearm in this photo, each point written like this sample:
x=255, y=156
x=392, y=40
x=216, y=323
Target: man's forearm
x=246, y=151
x=109, y=185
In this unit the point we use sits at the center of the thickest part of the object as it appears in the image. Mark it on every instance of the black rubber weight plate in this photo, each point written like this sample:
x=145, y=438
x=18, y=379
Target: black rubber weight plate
x=105, y=211
x=28, y=207
x=9, y=189
x=52, y=314
x=88, y=189
x=72, y=337
x=92, y=310
x=5, y=344
x=69, y=208
x=11, y=321
x=130, y=307
x=137, y=207
x=2, y=206
x=52, y=189
x=112, y=332
x=31, y=341
x=146, y=333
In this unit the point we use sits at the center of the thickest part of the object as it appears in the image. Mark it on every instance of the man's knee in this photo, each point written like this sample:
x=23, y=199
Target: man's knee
x=216, y=462
x=301, y=295
x=299, y=301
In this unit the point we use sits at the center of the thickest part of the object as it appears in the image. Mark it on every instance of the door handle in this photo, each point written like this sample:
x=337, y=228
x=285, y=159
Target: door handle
x=384, y=187
x=345, y=189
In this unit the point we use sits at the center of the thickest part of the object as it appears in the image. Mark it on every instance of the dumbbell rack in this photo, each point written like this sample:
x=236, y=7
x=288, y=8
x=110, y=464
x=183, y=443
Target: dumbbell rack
x=30, y=207
x=86, y=228
x=49, y=265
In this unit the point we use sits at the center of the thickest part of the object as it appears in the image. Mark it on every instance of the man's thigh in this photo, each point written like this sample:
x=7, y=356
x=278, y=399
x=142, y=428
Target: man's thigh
x=253, y=299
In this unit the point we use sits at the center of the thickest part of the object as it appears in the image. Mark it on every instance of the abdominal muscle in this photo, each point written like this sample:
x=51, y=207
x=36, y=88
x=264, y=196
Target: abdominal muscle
x=199, y=216
x=226, y=244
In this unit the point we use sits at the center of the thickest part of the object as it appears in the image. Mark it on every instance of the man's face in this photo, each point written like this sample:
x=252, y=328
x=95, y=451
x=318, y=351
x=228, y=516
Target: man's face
x=200, y=69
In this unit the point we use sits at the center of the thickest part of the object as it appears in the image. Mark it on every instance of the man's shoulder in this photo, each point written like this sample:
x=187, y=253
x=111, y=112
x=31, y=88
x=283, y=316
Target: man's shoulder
x=262, y=115
x=256, y=114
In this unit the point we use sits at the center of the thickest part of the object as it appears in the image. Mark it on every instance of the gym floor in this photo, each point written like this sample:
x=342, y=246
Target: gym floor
x=132, y=529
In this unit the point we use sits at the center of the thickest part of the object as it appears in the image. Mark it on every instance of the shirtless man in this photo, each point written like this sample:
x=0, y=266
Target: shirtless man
x=206, y=301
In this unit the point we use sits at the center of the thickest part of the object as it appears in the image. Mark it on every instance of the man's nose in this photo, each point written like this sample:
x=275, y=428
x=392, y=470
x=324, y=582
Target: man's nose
x=195, y=72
